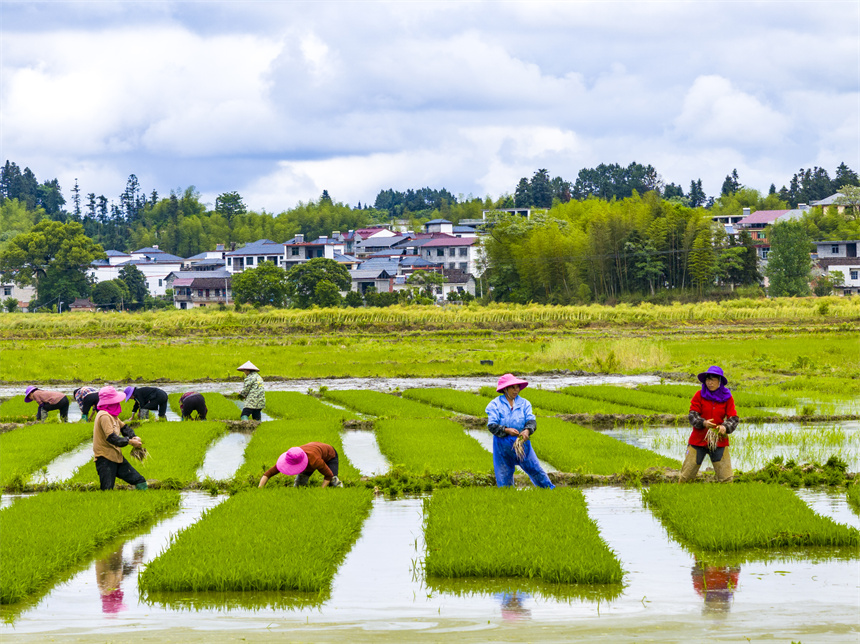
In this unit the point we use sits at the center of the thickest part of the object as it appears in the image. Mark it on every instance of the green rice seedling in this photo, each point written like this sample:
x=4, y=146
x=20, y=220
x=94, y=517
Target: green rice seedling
x=273, y=438
x=176, y=452
x=572, y=448
x=465, y=531
x=743, y=516
x=853, y=495
x=217, y=406
x=49, y=533
x=263, y=540
x=742, y=398
x=27, y=449
x=567, y=402
x=430, y=445
x=459, y=401
x=382, y=405
x=292, y=405
x=16, y=410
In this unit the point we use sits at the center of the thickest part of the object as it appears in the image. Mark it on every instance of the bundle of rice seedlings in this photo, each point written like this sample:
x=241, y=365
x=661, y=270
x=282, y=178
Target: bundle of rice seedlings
x=520, y=447
x=139, y=453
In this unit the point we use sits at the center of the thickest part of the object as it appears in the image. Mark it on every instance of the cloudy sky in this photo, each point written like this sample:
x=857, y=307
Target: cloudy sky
x=280, y=100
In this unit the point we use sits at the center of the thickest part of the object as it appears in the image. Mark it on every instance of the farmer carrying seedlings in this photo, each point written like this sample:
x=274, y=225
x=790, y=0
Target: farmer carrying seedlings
x=252, y=392
x=191, y=402
x=48, y=401
x=512, y=423
x=110, y=434
x=87, y=399
x=713, y=417
x=147, y=399
x=303, y=461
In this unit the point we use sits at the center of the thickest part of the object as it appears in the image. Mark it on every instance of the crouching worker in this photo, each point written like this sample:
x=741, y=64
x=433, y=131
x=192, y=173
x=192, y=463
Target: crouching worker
x=147, y=399
x=110, y=434
x=87, y=399
x=191, y=402
x=48, y=401
x=303, y=461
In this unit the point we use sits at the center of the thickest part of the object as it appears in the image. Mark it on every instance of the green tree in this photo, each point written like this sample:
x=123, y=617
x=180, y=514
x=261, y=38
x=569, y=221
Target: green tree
x=541, y=189
x=230, y=204
x=55, y=257
x=135, y=281
x=265, y=285
x=702, y=261
x=10, y=304
x=849, y=196
x=354, y=299
x=303, y=279
x=427, y=280
x=326, y=295
x=789, y=264
x=110, y=293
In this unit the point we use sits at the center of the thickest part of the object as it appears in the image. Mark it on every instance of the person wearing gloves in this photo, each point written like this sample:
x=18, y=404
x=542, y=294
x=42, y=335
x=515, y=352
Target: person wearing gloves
x=253, y=392
x=110, y=435
x=48, y=401
x=713, y=417
x=191, y=402
x=87, y=399
x=147, y=399
x=303, y=461
x=512, y=423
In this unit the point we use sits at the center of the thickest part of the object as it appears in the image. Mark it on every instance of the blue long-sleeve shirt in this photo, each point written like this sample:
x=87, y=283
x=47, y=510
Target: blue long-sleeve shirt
x=500, y=415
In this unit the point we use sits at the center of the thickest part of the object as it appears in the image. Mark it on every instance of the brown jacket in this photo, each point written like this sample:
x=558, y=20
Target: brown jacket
x=104, y=426
x=50, y=397
x=318, y=455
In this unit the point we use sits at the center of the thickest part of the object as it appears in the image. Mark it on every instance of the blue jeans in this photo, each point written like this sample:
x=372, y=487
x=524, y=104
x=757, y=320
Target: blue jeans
x=505, y=462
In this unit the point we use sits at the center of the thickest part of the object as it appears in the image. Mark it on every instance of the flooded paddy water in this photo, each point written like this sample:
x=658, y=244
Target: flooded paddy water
x=380, y=593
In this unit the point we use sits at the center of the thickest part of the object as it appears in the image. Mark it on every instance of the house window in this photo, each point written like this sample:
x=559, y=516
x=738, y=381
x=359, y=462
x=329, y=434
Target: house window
x=834, y=250
x=765, y=252
x=159, y=282
x=7, y=290
x=452, y=265
x=294, y=252
x=260, y=260
x=464, y=266
x=854, y=274
x=199, y=292
x=440, y=252
x=250, y=261
x=274, y=260
x=464, y=252
x=229, y=261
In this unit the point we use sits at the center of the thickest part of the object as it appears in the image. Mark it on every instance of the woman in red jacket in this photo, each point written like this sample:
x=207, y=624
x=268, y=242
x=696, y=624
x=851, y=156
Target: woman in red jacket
x=713, y=417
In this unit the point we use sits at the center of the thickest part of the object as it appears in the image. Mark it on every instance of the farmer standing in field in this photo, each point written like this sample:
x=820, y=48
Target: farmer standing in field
x=191, y=402
x=253, y=392
x=147, y=399
x=713, y=417
x=512, y=423
x=87, y=399
x=303, y=461
x=48, y=401
x=110, y=434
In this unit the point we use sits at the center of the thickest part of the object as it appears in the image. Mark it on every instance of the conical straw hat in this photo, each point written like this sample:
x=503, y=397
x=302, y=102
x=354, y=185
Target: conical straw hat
x=249, y=366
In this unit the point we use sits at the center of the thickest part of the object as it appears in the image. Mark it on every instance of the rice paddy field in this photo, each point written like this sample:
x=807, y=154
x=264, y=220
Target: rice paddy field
x=419, y=545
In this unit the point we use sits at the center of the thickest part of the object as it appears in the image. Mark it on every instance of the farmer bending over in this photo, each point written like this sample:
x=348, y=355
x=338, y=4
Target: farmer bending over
x=110, y=434
x=48, y=401
x=305, y=460
x=147, y=399
x=87, y=399
x=191, y=402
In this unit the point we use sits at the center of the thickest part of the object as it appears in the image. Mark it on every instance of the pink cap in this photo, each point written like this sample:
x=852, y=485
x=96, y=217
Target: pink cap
x=293, y=461
x=510, y=379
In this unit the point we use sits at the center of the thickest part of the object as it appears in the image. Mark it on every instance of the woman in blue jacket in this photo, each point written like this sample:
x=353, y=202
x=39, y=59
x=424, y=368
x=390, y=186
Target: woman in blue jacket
x=510, y=417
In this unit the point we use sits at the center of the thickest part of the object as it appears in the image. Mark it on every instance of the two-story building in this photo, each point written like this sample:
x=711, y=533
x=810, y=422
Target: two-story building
x=254, y=254
x=155, y=265
x=193, y=289
x=452, y=252
x=841, y=256
x=298, y=251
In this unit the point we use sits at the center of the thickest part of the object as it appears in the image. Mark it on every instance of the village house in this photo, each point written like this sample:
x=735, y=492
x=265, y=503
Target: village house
x=155, y=265
x=193, y=289
x=840, y=256
x=23, y=294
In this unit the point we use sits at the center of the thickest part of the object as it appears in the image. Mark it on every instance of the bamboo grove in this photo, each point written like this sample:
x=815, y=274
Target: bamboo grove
x=597, y=250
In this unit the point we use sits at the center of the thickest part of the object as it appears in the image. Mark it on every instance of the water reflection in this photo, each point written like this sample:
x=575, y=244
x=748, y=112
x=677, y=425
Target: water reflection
x=110, y=571
x=513, y=606
x=716, y=584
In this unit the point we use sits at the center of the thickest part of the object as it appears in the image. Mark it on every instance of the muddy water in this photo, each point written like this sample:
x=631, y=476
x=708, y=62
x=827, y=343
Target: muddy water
x=485, y=438
x=225, y=457
x=63, y=467
x=379, y=594
x=362, y=450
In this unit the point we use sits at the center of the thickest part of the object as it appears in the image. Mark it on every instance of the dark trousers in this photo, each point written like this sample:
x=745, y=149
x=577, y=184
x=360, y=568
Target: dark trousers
x=159, y=403
x=252, y=413
x=63, y=406
x=109, y=472
x=194, y=403
x=303, y=479
x=89, y=401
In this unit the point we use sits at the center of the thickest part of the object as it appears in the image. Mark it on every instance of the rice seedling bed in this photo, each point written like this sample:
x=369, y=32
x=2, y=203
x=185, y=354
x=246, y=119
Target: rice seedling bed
x=538, y=534
x=742, y=398
x=29, y=448
x=263, y=540
x=49, y=533
x=273, y=438
x=375, y=403
x=572, y=448
x=458, y=401
x=16, y=410
x=292, y=405
x=853, y=495
x=434, y=446
x=217, y=406
x=176, y=452
x=742, y=516
x=549, y=403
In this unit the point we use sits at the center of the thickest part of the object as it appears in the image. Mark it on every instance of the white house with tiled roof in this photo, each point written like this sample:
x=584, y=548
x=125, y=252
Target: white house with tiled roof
x=453, y=252
x=154, y=263
x=841, y=256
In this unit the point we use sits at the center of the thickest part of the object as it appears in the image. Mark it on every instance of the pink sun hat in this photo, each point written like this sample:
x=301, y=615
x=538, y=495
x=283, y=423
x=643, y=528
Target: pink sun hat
x=293, y=461
x=110, y=396
x=510, y=379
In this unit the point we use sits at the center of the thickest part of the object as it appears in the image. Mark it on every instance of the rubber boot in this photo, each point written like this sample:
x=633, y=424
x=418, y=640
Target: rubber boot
x=244, y=418
x=141, y=486
x=335, y=482
x=143, y=414
x=301, y=480
x=42, y=414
